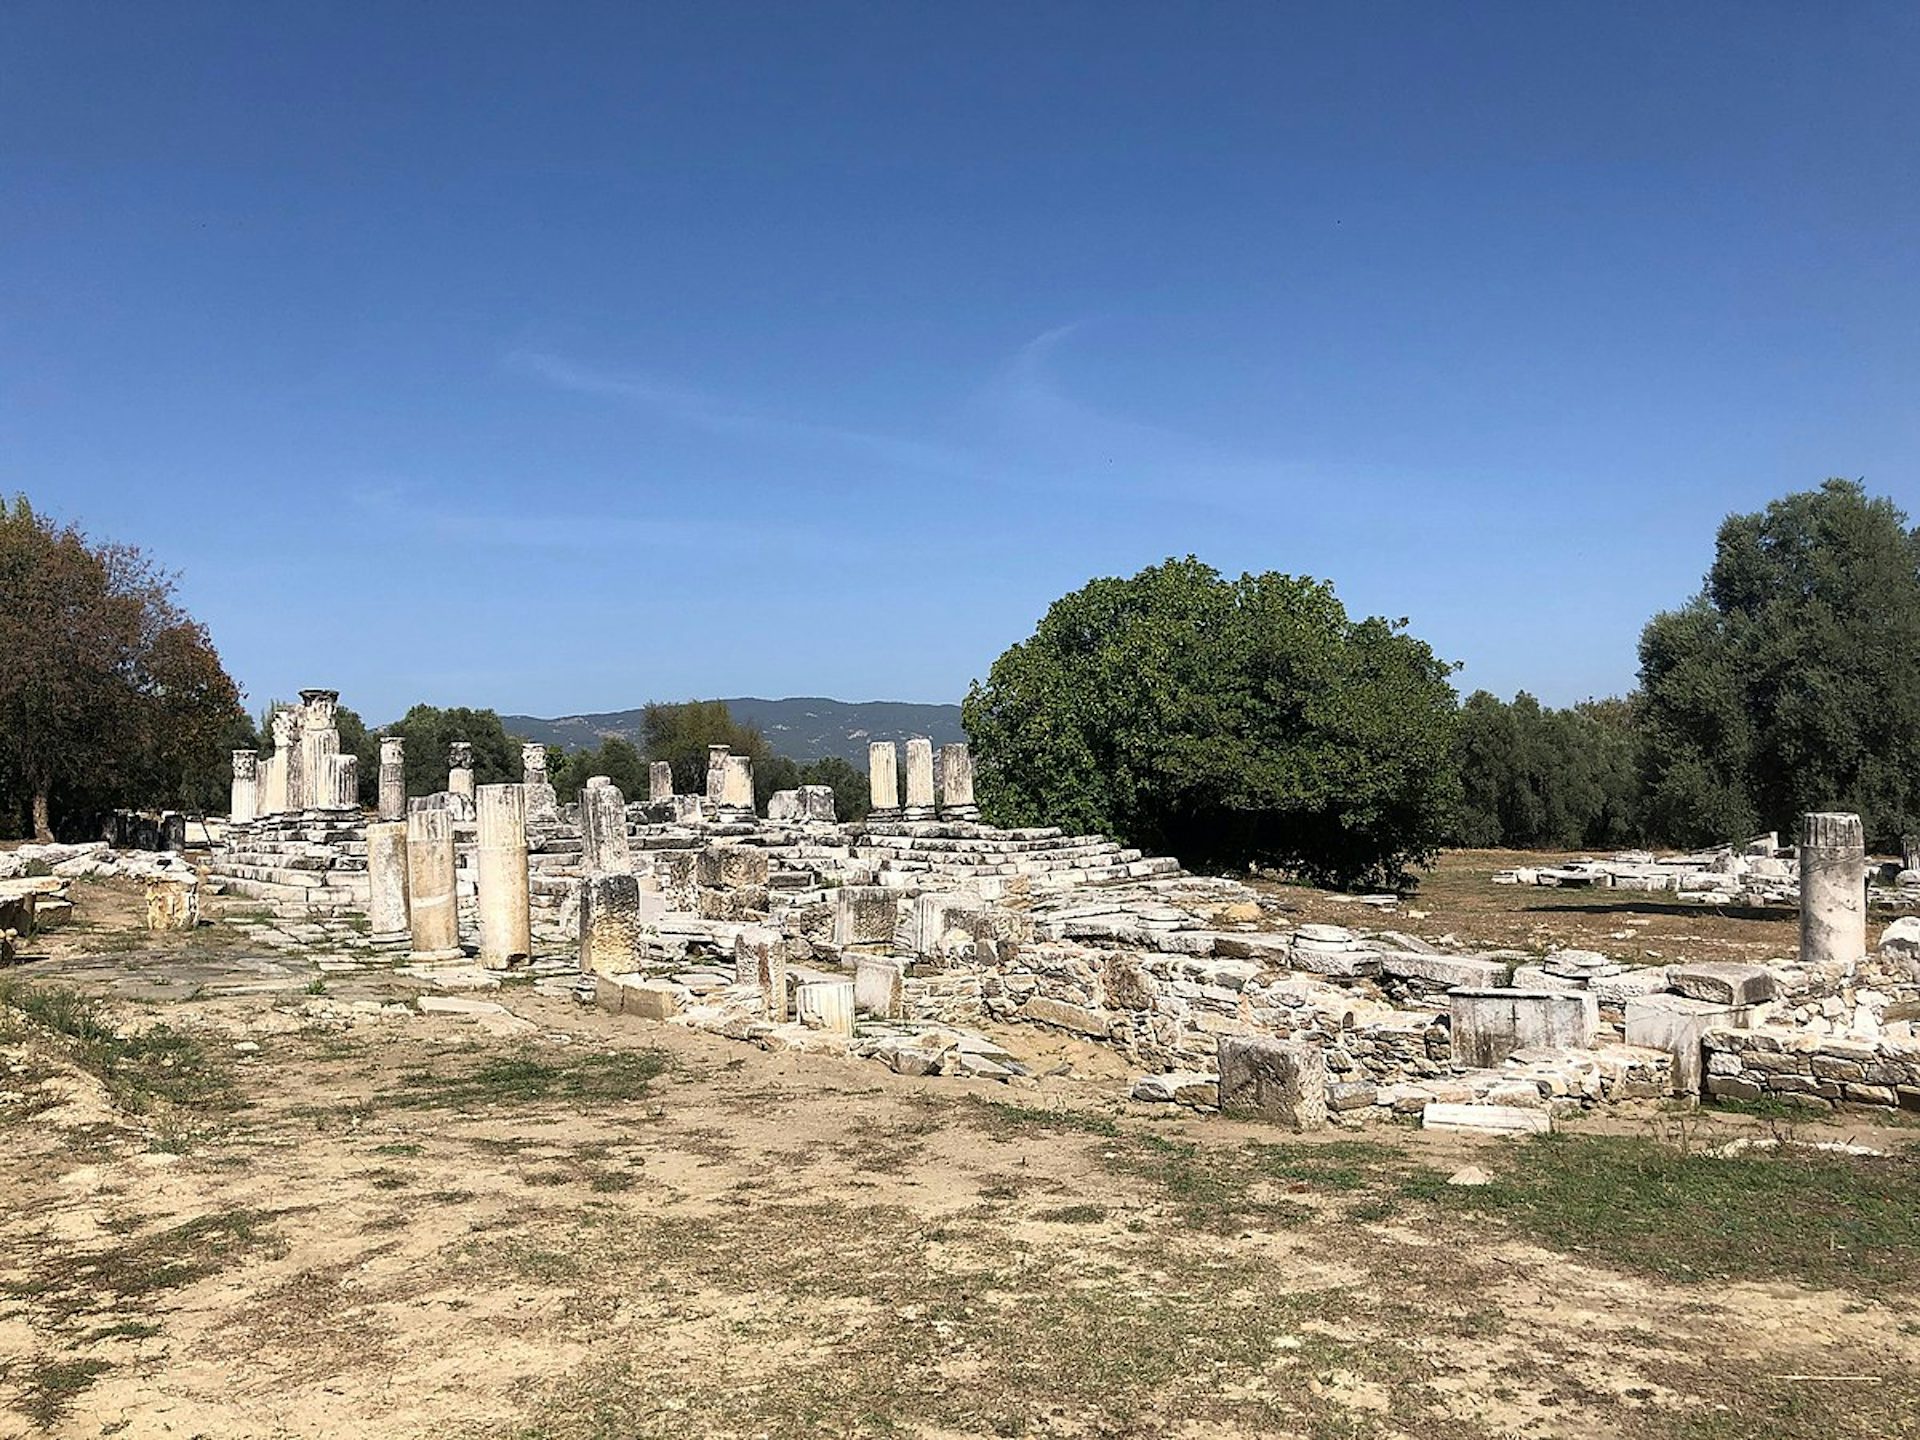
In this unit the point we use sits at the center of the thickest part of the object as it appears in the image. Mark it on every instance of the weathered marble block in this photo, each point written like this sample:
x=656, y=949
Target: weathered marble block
x=1489, y=1025
x=863, y=915
x=1283, y=1081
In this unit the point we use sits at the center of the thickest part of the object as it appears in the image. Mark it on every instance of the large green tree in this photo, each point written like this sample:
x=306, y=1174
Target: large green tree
x=1224, y=721
x=429, y=730
x=1534, y=776
x=680, y=734
x=1792, y=681
x=110, y=694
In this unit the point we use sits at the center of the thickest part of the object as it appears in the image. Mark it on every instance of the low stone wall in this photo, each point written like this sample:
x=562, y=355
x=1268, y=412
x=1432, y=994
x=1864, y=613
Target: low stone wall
x=1822, y=1072
x=1167, y=1012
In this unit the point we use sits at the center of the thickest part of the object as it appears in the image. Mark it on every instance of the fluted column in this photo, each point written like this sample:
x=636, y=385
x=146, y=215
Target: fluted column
x=393, y=777
x=501, y=855
x=659, y=781
x=883, y=781
x=956, y=784
x=1833, y=889
x=603, y=829
x=919, y=779
x=387, y=921
x=434, y=918
x=244, y=803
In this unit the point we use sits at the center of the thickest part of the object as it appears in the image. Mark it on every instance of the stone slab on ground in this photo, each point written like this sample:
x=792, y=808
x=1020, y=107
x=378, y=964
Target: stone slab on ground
x=1486, y=1119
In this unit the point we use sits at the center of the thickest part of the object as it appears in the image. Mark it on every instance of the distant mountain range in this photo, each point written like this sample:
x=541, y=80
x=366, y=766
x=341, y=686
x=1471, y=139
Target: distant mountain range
x=804, y=728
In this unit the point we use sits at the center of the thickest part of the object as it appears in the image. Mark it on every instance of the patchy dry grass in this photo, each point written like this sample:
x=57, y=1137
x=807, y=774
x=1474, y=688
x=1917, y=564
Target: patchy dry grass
x=148, y=1070
x=1816, y=1218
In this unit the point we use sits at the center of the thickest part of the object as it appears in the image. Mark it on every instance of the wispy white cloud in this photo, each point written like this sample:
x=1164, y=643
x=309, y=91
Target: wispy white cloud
x=416, y=512
x=718, y=417
x=1024, y=429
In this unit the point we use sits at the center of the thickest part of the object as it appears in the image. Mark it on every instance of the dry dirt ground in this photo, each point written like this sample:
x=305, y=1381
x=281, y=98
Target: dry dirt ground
x=582, y=1226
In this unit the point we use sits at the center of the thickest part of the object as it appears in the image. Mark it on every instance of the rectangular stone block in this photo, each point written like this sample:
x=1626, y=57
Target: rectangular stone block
x=1283, y=1081
x=1489, y=1025
x=879, y=988
x=1676, y=1024
x=864, y=915
x=1444, y=972
x=1725, y=982
x=730, y=867
x=649, y=999
x=1067, y=1016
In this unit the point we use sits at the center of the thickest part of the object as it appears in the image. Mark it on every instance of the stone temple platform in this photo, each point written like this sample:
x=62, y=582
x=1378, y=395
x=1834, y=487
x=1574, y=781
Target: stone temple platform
x=898, y=937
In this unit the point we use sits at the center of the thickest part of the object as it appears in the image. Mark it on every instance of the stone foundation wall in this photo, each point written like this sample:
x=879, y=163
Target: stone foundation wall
x=1168, y=1012
x=1821, y=1072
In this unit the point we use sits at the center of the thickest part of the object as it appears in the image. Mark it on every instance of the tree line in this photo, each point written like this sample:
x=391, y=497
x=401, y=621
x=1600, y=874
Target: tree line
x=1230, y=722
x=1252, y=721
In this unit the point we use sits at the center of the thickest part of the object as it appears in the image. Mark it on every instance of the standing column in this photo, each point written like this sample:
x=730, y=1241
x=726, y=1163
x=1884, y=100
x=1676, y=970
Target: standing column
x=460, y=768
x=319, y=743
x=393, y=777
x=245, y=802
x=1833, y=889
x=659, y=781
x=883, y=781
x=543, y=806
x=716, y=776
x=737, y=791
x=287, y=744
x=956, y=784
x=433, y=917
x=919, y=779
x=342, y=788
x=506, y=933
x=603, y=829
x=387, y=883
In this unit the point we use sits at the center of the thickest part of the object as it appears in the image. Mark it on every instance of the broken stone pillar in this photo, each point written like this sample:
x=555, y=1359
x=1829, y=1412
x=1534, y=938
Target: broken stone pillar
x=387, y=922
x=244, y=803
x=603, y=829
x=340, y=790
x=543, y=806
x=273, y=784
x=784, y=806
x=825, y=1005
x=883, y=781
x=816, y=804
x=1284, y=1081
x=956, y=784
x=736, y=795
x=393, y=777
x=432, y=914
x=919, y=779
x=460, y=769
x=686, y=810
x=760, y=960
x=173, y=904
x=501, y=856
x=609, y=924
x=659, y=782
x=1833, y=889
x=291, y=787
x=716, y=776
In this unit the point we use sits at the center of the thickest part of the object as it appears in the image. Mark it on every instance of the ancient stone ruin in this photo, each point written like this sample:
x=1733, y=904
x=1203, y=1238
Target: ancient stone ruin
x=896, y=938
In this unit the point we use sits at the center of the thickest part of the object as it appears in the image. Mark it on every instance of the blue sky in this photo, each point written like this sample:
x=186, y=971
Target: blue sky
x=560, y=357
